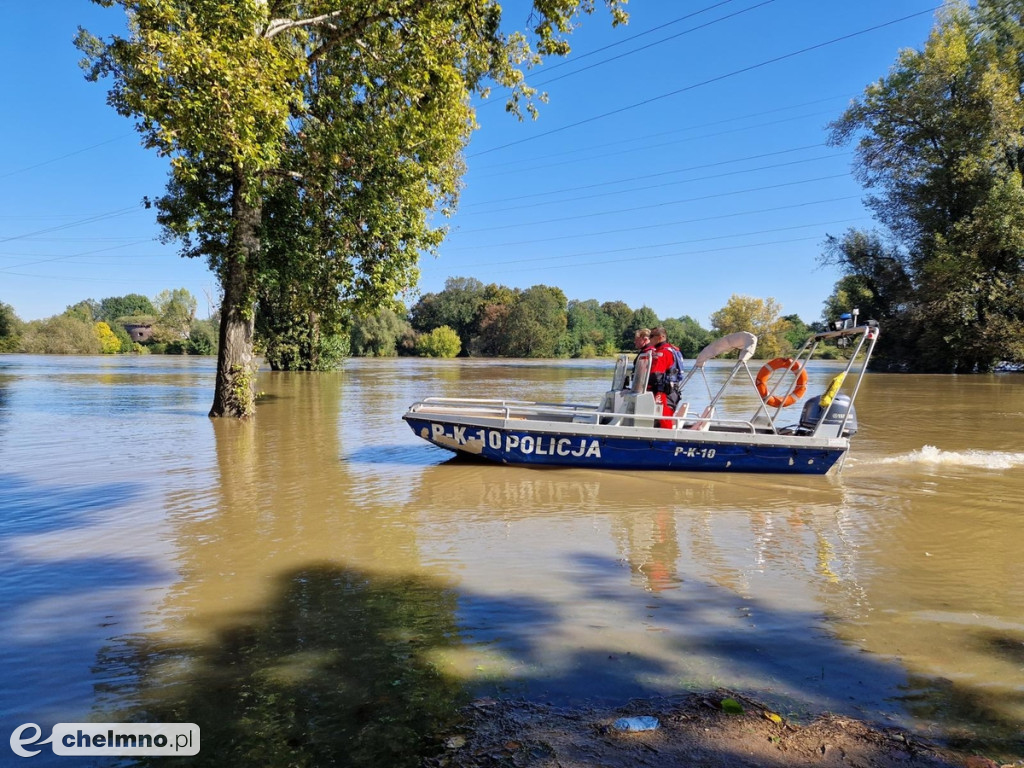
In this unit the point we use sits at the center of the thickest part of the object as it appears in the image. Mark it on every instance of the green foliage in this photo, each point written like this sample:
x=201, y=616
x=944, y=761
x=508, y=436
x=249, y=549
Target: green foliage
x=939, y=139
x=123, y=339
x=377, y=335
x=641, y=318
x=60, y=335
x=86, y=311
x=176, y=310
x=589, y=332
x=203, y=338
x=687, y=335
x=300, y=341
x=440, y=342
x=758, y=316
x=241, y=386
x=10, y=328
x=114, y=308
x=139, y=320
x=332, y=130
x=620, y=317
x=797, y=333
x=534, y=324
x=458, y=306
x=503, y=322
x=732, y=707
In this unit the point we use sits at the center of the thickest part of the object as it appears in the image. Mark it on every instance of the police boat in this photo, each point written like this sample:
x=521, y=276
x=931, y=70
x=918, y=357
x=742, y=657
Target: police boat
x=735, y=426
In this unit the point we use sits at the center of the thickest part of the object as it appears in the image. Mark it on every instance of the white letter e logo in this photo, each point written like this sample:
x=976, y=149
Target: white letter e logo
x=17, y=741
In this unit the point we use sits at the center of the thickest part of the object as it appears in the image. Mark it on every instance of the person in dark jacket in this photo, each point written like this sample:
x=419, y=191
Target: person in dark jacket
x=642, y=340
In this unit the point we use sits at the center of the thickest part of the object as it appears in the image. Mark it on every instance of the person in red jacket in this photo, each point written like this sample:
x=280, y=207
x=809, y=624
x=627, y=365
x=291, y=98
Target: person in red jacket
x=665, y=372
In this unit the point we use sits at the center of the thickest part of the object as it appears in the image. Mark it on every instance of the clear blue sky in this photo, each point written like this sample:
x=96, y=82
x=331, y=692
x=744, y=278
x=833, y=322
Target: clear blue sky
x=680, y=160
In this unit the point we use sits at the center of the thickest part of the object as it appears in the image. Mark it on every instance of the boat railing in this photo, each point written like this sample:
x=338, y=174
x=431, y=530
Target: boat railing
x=624, y=408
x=579, y=413
x=861, y=337
x=507, y=409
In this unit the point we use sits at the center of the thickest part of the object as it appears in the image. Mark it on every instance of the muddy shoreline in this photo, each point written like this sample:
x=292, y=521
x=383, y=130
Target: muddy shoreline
x=717, y=729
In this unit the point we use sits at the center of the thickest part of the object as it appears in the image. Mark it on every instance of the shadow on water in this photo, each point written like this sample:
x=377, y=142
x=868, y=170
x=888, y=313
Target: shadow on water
x=44, y=508
x=394, y=455
x=960, y=705
x=42, y=586
x=346, y=668
x=338, y=669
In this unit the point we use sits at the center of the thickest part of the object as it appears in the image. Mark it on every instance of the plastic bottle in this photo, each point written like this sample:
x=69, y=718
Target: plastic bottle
x=643, y=723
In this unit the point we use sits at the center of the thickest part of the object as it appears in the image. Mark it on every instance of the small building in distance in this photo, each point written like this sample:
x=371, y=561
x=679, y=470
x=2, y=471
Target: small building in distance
x=139, y=332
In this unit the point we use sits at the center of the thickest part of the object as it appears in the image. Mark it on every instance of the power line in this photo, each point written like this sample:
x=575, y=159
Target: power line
x=517, y=164
x=651, y=45
x=65, y=156
x=698, y=198
x=700, y=220
x=650, y=246
x=649, y=187
x=520, y=167
x=72, y=255
x=625, y=40
x=90, y=220
x=691, y=87
x=650, y=176
x=667, y=255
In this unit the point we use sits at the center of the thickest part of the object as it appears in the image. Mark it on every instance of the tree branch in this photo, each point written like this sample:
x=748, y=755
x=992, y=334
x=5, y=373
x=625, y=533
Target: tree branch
x=278, y=26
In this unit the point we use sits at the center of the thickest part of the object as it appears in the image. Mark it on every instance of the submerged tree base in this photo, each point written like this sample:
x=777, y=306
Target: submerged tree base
x=720, y=729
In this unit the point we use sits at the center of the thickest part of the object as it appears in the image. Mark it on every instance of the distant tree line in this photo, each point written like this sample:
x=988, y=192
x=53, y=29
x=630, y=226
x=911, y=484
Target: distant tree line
x=492, y=320
x=467, y=318
x=93, y=327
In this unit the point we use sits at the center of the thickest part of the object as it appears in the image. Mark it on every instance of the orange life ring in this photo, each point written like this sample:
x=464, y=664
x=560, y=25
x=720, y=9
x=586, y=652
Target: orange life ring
x=766, y=371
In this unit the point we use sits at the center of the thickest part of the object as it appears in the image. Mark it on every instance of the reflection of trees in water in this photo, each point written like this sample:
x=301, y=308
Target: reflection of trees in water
x=335, y=669
x=977, y=720
x=5, y=383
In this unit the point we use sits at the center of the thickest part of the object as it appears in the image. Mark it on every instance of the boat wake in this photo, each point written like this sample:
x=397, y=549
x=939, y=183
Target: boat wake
x=930, y=455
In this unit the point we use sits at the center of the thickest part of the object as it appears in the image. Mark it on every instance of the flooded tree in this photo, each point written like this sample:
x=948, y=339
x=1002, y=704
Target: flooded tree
x=376, y=99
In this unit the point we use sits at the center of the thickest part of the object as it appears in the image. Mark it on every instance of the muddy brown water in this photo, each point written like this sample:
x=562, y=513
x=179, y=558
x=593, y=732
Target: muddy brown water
x=321, y=582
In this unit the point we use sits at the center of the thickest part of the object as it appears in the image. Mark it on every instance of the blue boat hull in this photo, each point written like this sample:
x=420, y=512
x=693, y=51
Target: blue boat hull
x=706, y=453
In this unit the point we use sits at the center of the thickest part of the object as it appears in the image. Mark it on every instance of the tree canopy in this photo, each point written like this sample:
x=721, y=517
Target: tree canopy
x=10, y=328
x=762, y=317
x=940, y=144
x=115, y=307
x=309, y=141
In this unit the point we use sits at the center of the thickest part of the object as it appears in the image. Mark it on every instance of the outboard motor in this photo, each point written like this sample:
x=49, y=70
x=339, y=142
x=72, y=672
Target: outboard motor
x=811, y=421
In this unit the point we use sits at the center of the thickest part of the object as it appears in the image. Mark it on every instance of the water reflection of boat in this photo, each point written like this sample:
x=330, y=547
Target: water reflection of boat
x=622, y=432
x=460, y=488
x=722, y=530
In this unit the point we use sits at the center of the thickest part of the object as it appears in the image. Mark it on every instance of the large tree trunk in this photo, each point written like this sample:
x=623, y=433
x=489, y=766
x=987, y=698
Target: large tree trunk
x=235, y=393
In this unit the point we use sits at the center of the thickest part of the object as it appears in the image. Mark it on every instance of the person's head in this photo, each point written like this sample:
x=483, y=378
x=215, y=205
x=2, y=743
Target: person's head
x=642, y=338
x=658, y=335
